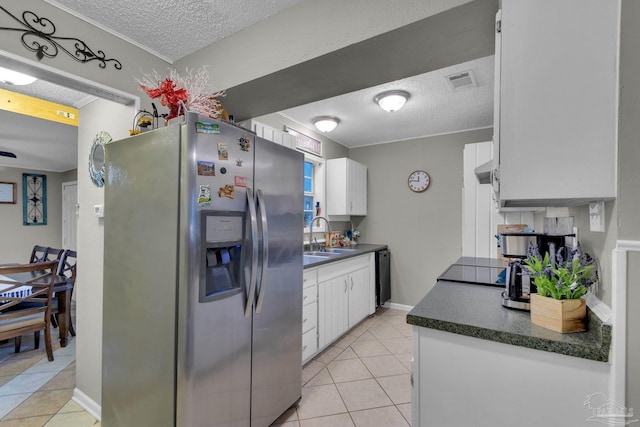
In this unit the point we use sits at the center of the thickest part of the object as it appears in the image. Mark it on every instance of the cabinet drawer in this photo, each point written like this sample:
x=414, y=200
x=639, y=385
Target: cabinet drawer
x=309, y=316
x=309, y=295
x=340, y=268
x=309, y=343
x=309, y=277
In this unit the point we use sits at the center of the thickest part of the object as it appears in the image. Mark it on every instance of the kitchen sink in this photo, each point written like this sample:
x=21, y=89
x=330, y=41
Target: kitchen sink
x=321, y=253
x=309, y=259
x=340, y=250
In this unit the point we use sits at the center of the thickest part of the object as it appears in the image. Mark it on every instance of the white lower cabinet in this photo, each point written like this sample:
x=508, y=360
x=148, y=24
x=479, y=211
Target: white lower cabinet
x=465, y=381
x=335, y=298
x=345, y=291
x=309, y=314
x=359, y=294
x=309, y=345
x=333, y=305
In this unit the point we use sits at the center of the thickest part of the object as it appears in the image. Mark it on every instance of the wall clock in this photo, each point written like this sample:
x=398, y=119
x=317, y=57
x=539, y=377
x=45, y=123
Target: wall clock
x=419, y=181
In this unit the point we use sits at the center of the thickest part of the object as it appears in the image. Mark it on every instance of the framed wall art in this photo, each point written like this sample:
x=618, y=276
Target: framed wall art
x=306, y=143
x=34, y=199
x=8, y=192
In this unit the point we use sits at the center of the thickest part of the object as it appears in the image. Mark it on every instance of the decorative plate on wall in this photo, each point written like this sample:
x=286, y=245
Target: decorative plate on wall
x=34, y=199
x=96, y=158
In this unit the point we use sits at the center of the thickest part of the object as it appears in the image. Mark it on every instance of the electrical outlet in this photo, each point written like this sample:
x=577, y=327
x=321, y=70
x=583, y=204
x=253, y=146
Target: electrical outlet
x=596, y=216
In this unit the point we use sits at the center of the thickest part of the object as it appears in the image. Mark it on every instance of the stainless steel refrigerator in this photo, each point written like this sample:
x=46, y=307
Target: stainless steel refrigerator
x=202, y=311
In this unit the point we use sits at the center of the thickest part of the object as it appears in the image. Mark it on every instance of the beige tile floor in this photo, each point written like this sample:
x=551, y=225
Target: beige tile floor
x=362, y=380
x=35, y=392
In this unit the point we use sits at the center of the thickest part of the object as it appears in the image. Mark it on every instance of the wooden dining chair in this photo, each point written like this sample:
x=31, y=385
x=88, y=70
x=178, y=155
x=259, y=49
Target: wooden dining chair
x=25, y=302
x=38, y=254
x=67, y=268
x=53, y=254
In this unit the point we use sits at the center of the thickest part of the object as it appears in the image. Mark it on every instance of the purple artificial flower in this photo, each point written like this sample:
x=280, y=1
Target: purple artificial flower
x=533, y=251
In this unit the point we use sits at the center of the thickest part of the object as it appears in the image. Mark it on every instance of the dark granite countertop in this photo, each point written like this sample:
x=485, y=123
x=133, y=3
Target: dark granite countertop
x=359, y=249
x=476, y=311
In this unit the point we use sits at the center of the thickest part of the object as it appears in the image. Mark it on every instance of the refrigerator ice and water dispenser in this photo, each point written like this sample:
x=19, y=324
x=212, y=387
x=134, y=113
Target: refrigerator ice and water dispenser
x=221, y=254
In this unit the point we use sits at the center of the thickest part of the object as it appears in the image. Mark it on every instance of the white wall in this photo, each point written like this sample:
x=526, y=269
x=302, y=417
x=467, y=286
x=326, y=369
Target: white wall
x=18, y=239
x=100, y=115
x=422, y=230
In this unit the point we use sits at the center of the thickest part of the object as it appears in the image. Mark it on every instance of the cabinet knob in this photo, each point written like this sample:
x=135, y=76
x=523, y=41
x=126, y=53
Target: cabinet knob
x=304, y=321
x=304, y=348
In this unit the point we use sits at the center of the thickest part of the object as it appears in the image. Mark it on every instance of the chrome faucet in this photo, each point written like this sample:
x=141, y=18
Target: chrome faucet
x=311, y=230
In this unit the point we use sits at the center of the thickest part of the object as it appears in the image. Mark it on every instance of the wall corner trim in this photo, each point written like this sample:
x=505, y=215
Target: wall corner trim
x=619, y=309
x=88, y=404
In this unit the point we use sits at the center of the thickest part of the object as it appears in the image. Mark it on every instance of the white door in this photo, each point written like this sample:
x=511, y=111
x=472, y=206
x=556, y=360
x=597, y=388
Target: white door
x=69, y=214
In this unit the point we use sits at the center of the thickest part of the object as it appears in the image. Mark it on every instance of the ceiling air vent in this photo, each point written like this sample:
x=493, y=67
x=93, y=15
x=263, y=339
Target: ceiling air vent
x=463, y=80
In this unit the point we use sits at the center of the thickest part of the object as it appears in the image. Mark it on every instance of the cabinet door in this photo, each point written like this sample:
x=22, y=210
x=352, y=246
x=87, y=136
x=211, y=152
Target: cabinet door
x=558, y=101
x=357, y=191
x=337, y=179
x=346, y=187
x=333, y=309
x=359, y=295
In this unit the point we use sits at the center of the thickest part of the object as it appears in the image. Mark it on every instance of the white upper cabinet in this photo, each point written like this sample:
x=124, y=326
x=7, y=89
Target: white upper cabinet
x=346, y=187
x=269, y=133
x=557, y=111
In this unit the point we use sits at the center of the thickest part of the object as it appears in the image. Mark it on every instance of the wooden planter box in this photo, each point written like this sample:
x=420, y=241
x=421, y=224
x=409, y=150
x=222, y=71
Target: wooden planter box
x=559, y=315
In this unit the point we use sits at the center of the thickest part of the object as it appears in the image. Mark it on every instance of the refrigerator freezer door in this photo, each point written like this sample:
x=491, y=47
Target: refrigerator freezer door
x=277, y=327
x=214, y=351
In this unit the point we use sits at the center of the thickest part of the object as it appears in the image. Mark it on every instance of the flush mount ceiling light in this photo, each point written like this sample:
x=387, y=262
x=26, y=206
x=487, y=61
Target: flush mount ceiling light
x=326, y=123
x=391, y=100
x=15, y=78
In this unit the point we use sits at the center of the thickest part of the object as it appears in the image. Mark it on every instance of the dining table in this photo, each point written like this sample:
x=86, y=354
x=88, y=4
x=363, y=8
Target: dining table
x=61, y=292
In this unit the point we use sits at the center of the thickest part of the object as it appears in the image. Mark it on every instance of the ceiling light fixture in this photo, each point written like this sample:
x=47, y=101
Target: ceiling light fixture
x=15, y=78
x=391, y=100
x=326, y=123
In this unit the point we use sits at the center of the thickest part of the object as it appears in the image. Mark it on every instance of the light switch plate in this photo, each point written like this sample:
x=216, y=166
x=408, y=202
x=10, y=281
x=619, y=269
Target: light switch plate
x=98, y=210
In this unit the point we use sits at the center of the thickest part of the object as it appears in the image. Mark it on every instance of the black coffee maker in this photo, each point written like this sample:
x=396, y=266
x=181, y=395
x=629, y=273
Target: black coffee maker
x=518, y=283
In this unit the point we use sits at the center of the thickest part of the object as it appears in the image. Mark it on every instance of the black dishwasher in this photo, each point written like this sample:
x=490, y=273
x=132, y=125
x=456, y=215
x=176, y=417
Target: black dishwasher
x=383, y=277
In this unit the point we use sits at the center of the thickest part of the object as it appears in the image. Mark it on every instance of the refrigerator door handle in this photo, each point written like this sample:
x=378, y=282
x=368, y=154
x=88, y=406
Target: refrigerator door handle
x=254, y=252
x=265, y=250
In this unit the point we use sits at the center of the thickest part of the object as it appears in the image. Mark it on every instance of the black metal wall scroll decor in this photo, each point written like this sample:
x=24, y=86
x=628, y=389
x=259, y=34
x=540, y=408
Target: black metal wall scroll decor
x=38, y=36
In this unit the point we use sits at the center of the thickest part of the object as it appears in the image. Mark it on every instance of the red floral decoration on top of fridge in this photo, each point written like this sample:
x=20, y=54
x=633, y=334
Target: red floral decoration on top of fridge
x=189, y=92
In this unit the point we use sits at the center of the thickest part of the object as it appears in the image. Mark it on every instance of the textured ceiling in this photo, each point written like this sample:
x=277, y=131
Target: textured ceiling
x=173, y=29
x=51, y=92
x=433, y=108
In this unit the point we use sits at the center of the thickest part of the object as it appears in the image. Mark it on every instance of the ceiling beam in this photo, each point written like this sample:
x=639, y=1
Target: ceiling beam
x=458, y=35
x=39, y=108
